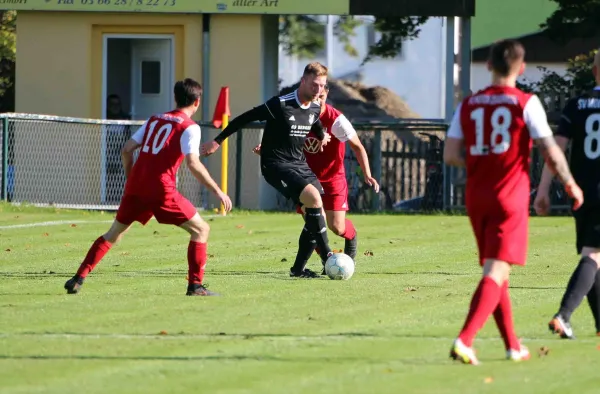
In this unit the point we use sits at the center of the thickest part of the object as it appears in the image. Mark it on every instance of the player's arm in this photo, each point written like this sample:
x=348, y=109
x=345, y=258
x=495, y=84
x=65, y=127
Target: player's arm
x=260, y=113
x=319, y=131
x=454, y=144
x=343, y=130
x=536, y=120
x=190, y=147
x=562, y=137
x=556, y=162
x=130, y=146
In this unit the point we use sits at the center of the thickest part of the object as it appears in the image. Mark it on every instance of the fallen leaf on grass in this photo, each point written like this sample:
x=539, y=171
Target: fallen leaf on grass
x=543, y=351
x=163, y=332
x=125, y=253
x=67, y=244
x=73, y=225
x=239, y=226
x=368, y=253
x=250, y=232
x=489, y=379
x=410, y=288
x=45, y=235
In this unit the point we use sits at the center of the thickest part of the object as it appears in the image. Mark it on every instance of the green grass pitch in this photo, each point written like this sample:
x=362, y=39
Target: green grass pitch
x=387, y=330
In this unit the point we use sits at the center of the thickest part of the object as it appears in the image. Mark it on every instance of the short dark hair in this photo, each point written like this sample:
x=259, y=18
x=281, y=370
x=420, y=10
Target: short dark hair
x=505, y=55
x=186, y=92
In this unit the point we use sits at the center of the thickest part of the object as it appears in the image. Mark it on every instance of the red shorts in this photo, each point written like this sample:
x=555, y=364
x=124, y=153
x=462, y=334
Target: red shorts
x=335, y=197
x=501, y=235
x=173, y=209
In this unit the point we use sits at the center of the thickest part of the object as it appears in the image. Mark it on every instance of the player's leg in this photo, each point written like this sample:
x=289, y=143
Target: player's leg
x=501, y=241
x=341, y=226
x=179, y=211
x=130, y=210
x=583, y=278
x=510, y=246
x=95, y=254
x=306, y=245
x=580, y=285
x=310, y=197
x=593, y=298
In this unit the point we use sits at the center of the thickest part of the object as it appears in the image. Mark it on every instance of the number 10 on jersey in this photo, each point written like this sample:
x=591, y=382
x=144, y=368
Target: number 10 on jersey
x=501, y=119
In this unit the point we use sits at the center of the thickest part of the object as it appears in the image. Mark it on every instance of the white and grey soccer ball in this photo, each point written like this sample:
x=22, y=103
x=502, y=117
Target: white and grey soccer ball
x=339, y=266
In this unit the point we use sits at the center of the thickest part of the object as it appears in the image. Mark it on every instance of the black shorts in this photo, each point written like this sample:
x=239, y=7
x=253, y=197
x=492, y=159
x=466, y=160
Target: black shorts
x=290, y=180
x=587, y=226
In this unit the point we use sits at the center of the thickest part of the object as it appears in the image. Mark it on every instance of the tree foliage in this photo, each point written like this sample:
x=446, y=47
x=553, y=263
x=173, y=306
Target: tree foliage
x=8, y=53
x=573, y=19
x=305, y=36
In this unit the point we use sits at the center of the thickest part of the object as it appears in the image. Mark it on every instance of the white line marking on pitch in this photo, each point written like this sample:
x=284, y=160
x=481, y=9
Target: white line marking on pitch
x=60, y=222
x=283, y=337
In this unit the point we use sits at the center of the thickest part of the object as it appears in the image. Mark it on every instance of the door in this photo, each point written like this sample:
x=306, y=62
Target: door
x=151, y=77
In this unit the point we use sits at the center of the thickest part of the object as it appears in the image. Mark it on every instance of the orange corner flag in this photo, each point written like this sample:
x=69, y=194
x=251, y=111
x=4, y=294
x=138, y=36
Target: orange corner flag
x=222, y=107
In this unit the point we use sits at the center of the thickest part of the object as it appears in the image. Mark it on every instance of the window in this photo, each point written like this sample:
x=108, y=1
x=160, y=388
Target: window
x=150, y=77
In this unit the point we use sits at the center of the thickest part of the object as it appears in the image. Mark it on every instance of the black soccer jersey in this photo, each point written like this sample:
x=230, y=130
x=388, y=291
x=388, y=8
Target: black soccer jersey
x=580, y=122
x=287, y=124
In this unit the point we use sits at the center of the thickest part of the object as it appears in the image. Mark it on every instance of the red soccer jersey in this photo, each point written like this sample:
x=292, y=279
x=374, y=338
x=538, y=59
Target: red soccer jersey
x=497, y=125
x=328, y=165
x=165, y=139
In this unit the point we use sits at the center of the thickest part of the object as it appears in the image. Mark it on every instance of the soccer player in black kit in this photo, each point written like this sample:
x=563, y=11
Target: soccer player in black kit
x=289, y=118
x=580, y=124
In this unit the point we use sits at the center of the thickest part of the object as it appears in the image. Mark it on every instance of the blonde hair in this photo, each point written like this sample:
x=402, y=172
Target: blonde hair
x=316, y=69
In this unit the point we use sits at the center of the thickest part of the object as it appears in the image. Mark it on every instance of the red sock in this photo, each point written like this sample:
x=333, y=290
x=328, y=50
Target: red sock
x=97, y=251
x=504, y=320
x=350, y=231
x=196, y=262
x=483, y=303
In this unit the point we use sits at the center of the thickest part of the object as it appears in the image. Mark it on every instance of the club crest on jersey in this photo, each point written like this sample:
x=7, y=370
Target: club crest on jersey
x=311, y=117
x=311, y=145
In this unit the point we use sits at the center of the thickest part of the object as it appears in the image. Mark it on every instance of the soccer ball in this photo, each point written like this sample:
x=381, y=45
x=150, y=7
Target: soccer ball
x=339, y=266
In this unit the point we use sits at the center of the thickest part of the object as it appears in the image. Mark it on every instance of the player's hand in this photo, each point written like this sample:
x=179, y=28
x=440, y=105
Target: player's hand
x=209, y=148
x=225, y=200
x=369, y=180
x=541, y=204
x=574, y=191
x=257, y=149
x=325, y=140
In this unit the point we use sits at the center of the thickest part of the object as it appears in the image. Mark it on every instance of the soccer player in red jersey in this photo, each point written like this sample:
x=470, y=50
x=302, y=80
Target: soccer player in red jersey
x=495, y=127
x=151, y=190
x=327, y=163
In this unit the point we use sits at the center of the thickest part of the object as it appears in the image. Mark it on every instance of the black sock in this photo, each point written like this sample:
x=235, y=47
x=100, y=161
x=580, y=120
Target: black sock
x=306, y=247
x=315, y=223
x=593, y=298
x=579, y=286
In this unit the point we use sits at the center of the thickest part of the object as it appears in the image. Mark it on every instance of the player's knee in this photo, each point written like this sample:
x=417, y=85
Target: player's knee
x=311, y=198
x=337, y=228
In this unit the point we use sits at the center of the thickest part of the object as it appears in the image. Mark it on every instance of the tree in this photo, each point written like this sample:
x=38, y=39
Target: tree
x=7, y=59
x=304, y=36
x=573, y=19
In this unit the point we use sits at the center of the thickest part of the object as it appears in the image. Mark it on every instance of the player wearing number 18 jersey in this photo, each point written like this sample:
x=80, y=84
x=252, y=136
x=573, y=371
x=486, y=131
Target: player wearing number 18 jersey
x=165, y=139
x=496, y=126
x=580, y=124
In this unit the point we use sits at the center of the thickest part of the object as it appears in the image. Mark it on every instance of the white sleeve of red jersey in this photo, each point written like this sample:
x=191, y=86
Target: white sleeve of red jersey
x=535, y=118
x=190, y=140
x=342, y=129
x=455, y=130
x=138, y=136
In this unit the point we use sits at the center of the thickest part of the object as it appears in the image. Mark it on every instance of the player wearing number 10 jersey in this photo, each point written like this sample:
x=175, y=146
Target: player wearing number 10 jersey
x=580, y=124
x=151, y=190
x=496, y=126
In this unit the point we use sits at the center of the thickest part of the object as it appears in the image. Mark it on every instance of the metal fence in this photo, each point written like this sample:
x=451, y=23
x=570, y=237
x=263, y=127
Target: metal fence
x=72, y=162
